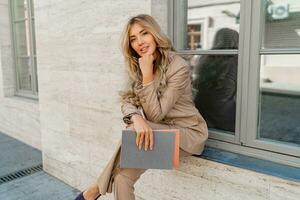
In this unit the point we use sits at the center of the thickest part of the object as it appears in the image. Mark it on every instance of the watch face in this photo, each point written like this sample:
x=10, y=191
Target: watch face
x=127, y=120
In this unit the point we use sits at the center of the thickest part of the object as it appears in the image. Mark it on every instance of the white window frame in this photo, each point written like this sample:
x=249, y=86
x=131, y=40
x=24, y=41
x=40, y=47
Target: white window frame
x=244, y=141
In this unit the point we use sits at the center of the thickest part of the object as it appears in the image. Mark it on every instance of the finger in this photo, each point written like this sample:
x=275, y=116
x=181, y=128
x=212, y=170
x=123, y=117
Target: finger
x=151, y=138
x=148, y=53
x=150, y=56
x=147, y=141
x=137, y=139
x=141, y=141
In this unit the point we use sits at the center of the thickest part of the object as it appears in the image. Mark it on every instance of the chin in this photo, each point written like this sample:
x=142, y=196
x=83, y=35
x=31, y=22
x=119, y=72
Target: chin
x=151, y=52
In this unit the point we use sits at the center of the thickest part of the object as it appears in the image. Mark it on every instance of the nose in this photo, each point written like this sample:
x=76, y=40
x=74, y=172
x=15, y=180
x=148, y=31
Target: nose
x=140, y=41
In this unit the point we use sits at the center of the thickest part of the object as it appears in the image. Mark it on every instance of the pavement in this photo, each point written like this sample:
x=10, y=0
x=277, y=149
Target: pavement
x=22, y=177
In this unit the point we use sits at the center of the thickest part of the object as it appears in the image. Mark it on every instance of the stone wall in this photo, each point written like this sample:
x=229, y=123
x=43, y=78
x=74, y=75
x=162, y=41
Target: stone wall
x=19, y=118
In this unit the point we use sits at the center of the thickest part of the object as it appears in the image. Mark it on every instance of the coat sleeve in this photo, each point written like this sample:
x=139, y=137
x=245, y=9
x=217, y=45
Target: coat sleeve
x=156, y=108
x=128, y=109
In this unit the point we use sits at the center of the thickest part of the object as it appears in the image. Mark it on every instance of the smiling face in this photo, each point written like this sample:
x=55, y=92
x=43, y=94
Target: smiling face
x=141, y=40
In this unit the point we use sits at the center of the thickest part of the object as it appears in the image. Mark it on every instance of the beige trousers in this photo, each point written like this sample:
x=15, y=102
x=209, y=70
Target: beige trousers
x=121, y=181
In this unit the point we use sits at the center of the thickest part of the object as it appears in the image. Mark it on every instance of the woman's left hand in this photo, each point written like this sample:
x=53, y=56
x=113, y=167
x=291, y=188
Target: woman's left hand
x=146, y=66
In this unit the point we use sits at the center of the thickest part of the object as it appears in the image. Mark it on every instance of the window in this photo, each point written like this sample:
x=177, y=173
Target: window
x=209, y=40
x=245, y=60
x=22, y=16
x=194, y=36
x=276, y=74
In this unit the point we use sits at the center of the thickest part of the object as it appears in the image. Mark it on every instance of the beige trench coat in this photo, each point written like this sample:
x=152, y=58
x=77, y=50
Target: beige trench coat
x=174, y=109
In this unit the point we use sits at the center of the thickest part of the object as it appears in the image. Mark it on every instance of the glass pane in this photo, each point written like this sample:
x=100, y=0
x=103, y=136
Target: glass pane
x=20, y=9
x=211, y=25
x=280, y=98
x=31, y=8
x=281, y=24
x=24, y=73
x=214, y=89
x=22, y=35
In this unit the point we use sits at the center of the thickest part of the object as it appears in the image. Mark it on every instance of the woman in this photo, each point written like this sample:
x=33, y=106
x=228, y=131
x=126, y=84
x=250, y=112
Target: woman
x=160, y=90
x=215, y=83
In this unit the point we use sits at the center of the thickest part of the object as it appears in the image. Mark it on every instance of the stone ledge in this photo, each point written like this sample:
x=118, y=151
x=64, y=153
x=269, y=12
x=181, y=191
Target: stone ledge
x=199, y=178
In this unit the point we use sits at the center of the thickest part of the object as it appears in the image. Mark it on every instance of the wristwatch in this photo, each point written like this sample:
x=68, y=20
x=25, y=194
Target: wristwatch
x=127, y=118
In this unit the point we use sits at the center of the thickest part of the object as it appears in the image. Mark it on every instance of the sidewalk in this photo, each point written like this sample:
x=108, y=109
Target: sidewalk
x=16, y=183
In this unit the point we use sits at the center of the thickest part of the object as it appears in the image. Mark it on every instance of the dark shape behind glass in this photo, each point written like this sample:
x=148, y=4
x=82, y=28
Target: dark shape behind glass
x=215, y=83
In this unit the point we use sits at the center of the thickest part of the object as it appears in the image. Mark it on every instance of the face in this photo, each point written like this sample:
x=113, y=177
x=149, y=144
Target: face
x=141, y=40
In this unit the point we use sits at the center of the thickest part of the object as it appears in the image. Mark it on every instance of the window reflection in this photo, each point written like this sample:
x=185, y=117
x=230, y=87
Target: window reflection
x=280, y=98
x=279, y=106
x=215, y=82
x=205, y=18
x=21, y=9
x=212, y=25
x=24, y=73
x=194, y=36
x=281, y=25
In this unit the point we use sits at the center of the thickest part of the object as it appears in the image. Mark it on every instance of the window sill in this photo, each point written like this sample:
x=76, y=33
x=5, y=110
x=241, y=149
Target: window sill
x=251, y=163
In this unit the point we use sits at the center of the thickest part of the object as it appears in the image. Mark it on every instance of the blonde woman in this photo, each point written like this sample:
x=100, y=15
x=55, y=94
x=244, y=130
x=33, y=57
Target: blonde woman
x=159, y=89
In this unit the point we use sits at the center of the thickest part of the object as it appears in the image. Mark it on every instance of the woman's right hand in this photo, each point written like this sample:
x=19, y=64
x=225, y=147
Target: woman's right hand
x=143, y=132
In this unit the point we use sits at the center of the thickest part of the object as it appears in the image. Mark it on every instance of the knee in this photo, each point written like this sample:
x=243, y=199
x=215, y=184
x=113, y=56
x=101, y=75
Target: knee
x=120, y=179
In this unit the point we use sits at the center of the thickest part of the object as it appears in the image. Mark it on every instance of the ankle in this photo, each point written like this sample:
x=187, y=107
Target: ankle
x=91, y=193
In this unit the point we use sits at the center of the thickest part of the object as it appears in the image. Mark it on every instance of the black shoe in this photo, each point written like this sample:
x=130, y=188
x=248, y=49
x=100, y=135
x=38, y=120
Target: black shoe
x=81, y=197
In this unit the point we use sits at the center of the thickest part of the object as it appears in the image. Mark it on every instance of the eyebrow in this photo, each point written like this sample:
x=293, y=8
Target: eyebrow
x=139, y=32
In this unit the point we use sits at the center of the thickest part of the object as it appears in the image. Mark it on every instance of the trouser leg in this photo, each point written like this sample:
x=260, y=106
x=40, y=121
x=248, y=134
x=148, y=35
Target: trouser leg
x=123, y=187
x=124, y=180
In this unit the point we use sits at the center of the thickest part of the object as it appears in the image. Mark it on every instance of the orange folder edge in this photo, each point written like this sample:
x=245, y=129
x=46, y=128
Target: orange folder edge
x=176, y=146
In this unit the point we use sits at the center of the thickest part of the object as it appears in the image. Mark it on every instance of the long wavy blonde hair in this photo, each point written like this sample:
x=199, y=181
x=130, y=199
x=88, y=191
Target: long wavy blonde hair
x=163, y=46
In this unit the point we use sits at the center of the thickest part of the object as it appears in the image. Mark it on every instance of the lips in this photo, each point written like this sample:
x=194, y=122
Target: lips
x=144, y=49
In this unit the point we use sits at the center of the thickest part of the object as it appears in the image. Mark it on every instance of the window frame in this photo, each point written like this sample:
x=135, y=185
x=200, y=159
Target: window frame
x=244, y=141
x=256, y=52
x=33, y=93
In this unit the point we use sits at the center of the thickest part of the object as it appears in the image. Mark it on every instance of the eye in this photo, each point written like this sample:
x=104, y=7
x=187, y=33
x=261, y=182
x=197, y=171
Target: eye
x=132, y=40
x=145, y=33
